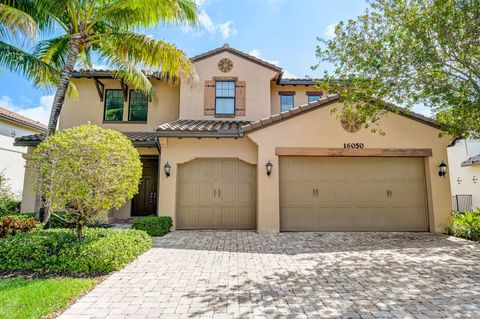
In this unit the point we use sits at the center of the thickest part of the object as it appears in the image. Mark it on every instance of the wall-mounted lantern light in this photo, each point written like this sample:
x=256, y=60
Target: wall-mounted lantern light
x=475, y=179
x=459, y=180
x=167, y=169
x=442, y=169
x=269, y=167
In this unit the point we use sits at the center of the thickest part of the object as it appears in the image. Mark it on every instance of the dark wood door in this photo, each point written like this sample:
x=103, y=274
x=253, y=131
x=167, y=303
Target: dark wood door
x=145, y=202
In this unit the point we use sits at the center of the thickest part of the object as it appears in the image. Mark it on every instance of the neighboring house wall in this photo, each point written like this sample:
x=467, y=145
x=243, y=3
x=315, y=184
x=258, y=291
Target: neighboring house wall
x=462, y=178
x=256, y=77
x=11, y=160
x=88, y=108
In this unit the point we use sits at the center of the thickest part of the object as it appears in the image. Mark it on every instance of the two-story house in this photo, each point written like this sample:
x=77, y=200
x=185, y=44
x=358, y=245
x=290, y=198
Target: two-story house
x=246, y=149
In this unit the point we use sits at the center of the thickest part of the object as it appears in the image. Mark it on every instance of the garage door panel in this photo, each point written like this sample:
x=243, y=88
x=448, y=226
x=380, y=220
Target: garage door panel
x=216, y=194
x=362, y=194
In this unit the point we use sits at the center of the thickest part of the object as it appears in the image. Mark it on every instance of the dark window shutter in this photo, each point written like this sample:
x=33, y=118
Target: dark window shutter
x=240, y=98
x=209, y=98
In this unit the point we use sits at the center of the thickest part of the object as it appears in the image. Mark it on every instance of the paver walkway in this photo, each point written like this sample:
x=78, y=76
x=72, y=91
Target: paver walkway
x=209, y=274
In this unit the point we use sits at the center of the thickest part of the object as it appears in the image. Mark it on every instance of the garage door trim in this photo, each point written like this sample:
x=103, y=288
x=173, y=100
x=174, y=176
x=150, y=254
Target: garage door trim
x=349, y=152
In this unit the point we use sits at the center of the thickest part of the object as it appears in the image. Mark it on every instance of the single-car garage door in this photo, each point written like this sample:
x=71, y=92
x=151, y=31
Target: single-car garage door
x=352, y=194
x=216, y=193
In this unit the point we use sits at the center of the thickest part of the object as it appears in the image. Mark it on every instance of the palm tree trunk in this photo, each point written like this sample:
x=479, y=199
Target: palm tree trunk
x=63, y=86
x=58, y=100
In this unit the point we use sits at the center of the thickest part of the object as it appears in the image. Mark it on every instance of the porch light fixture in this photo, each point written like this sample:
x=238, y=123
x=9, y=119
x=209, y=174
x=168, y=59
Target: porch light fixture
x=269, y=167
x=459, y=180
x=167, y=169
x=442, y=169
x=475, y=179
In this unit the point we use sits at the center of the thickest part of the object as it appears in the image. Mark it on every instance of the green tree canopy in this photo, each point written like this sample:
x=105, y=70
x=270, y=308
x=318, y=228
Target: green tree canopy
x=86, y=170
x=409, y=52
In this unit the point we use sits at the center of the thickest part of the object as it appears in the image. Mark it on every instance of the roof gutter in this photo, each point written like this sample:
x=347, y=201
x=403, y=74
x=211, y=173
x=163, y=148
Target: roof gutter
x=199, y=134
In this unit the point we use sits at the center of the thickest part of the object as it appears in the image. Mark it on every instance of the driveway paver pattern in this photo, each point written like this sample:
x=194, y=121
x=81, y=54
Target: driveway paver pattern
x=222, y=274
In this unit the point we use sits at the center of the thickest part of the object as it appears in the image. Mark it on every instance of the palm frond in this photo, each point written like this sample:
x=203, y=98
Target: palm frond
x=15, y=22
x=127, y=15
x=53, y=51
x=17, y=60
x=144, y=51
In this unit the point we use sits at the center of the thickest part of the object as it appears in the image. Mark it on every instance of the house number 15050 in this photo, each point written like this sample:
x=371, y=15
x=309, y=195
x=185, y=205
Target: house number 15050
x=353, y=145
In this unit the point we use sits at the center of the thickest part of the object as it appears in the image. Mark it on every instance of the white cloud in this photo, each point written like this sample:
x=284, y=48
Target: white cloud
x=256, y=53
x=226, y=29
x=206, y=22
x=288, y=75
x=422, y=109
x=330, y=31
x=39, y=113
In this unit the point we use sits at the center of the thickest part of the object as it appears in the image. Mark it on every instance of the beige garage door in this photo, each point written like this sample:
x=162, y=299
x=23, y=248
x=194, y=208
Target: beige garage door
x=216, y=194
x=352, y=194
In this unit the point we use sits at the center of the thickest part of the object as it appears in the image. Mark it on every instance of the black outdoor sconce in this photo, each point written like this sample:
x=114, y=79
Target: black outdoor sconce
x=167, y=169
x=442, y=169
x=269, y=167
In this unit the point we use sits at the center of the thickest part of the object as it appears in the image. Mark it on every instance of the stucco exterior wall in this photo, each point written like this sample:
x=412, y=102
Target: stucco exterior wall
x=257, y=80
x=89, y=108
x=177, y=151
x=319, y=128
x=300, y=97
x=461, y=178
x=11, y=157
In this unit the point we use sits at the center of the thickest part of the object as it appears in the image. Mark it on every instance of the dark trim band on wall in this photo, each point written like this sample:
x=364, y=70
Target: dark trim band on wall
x=364, y=152
x=314, y=93
x=286, y=92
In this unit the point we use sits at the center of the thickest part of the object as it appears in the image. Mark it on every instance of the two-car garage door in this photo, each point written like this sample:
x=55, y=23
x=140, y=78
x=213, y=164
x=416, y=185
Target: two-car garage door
x=352, y=194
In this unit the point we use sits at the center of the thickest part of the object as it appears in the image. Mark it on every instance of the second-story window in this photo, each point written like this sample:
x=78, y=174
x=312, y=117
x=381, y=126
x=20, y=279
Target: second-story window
x=113, y=105
x=286, y=101
x=314, y=96
x=225, y=98
x=138, y=106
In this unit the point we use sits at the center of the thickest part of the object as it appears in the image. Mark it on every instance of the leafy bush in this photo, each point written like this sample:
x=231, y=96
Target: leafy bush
x=85, y=171
x=154, y=225
x=10, y=225
x=59, y=251
x=9, y=206
x=465, y=225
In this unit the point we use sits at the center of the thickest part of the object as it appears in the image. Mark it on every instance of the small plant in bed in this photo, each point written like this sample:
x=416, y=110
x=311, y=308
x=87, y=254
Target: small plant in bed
x=465, y=225
x=59, y=251
x=155, y=226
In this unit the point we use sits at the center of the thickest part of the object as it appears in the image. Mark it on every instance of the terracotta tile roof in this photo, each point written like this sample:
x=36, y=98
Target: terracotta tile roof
x=109, y=73
x=475, y=160
x=137, y=138
x=253, y=126
x=227, y=48
x=22, y=120
x=199, y=128
x=297, y=81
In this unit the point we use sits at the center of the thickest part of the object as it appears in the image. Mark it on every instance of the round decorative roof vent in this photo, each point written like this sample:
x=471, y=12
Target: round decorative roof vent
x=225, y=65
x=351, y=123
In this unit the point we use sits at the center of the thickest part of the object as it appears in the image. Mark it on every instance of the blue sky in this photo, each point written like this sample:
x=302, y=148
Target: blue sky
x=283, y=32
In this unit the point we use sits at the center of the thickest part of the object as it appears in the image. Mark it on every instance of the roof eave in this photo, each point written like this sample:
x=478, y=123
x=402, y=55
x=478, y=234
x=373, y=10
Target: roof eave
x=218, y=134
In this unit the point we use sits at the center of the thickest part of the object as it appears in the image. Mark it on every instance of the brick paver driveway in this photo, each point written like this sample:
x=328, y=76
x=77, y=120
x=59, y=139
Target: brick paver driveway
x=296, y=275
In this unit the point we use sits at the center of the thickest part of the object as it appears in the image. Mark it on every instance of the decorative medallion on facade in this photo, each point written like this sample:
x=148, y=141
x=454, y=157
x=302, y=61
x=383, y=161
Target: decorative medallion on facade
x=350, y=123
x=225, y=65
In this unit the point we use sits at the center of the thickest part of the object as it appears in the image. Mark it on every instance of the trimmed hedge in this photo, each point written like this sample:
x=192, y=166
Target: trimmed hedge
x=57, y=250
x=465, y=225
x=9, y=206
x=156, y=226
x=12, y=225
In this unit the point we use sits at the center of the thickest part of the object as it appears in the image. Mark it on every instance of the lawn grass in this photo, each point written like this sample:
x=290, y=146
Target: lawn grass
x=37, y=298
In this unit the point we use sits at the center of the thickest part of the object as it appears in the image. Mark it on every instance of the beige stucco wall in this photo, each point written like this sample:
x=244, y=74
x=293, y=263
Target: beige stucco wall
x=319, y=128
x=300, y=97
x=177, y=151
x=89, y=108
x=257, y=87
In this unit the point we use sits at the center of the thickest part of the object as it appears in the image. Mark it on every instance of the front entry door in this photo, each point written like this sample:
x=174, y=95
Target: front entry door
x=145, y=202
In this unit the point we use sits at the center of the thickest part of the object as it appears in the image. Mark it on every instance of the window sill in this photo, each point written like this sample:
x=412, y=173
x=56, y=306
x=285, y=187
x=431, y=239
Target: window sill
x=124, y=122
x=224, y=116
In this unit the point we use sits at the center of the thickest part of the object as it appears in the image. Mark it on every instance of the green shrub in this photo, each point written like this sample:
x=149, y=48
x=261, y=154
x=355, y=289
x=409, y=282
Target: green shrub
x=154, y=225
x=465, y=225
x=9, y=206
x=10, y=225
x=21, y=215
x=58, y=250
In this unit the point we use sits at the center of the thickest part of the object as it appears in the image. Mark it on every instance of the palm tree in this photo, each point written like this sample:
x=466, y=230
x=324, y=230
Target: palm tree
x=18, y=28
x=108, y=28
